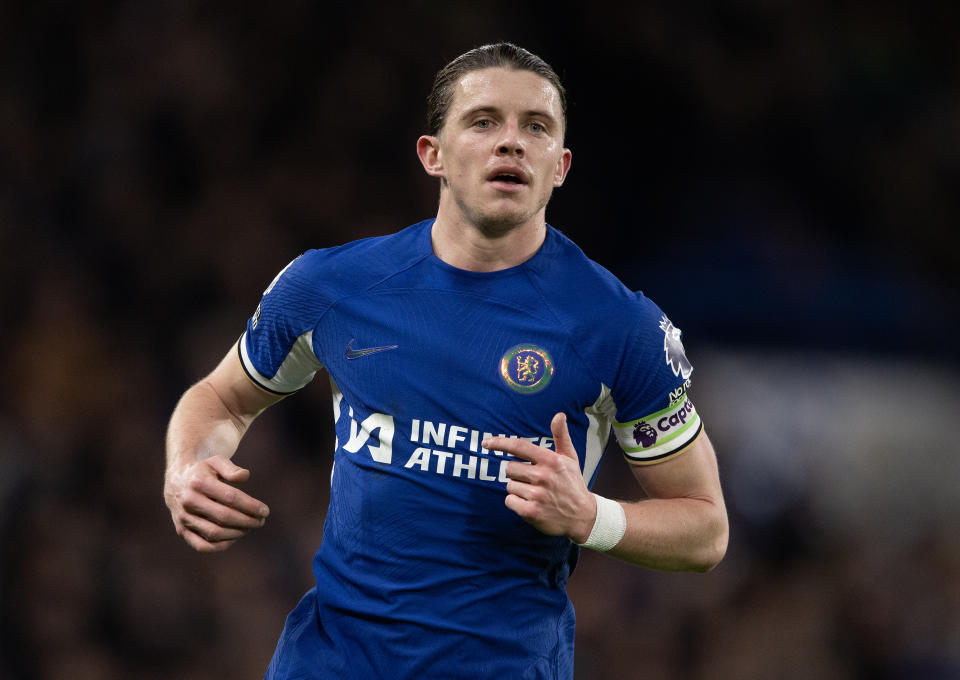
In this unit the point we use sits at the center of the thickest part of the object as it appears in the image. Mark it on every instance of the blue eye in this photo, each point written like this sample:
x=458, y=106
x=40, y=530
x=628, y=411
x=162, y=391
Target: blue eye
x=537, y=127
x=483, y=124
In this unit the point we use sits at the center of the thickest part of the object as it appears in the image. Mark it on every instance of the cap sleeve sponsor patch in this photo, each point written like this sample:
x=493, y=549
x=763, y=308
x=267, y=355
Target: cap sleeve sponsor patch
x=661, y=434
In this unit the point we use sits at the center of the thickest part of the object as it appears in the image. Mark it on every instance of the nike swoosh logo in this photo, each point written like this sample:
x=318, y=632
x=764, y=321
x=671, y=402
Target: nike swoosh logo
x=352, y=353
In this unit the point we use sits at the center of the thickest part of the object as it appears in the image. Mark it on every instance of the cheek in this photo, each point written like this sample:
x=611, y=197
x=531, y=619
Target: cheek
x=458, y=160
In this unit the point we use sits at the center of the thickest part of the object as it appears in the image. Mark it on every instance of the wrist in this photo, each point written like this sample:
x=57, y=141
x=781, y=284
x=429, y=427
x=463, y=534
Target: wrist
x=609, y=526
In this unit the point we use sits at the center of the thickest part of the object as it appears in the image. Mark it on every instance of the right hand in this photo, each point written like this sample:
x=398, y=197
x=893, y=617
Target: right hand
x=208, y=511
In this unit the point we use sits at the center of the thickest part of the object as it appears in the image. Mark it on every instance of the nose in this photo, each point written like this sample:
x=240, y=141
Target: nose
x=510, y=142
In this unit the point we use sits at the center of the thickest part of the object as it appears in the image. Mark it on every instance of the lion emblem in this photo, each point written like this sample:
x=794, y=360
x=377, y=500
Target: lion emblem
x=644, y=434
x=673, y=349
x=527, y=368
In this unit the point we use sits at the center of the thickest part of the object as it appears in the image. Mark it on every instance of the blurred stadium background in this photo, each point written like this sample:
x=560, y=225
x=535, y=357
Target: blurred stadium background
x=782, y=177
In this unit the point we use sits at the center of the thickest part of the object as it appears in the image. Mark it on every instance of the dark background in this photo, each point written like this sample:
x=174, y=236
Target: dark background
x=781, y=177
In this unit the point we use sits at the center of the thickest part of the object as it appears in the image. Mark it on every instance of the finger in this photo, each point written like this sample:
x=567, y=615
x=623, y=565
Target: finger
x=228, y=470
x=561, y=436
x=233, y=497
x=200, y=544
x=528, y=492
x=524, y=508
x=220, y=514
x=522, y=471
x=520, y=448
x=210, y=532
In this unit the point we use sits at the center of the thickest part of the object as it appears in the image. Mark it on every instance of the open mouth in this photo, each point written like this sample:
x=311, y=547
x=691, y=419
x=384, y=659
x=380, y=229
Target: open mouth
x=507, y=177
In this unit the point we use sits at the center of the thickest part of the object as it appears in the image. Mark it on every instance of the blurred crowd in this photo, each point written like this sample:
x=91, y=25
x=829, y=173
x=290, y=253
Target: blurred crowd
x=781, y=177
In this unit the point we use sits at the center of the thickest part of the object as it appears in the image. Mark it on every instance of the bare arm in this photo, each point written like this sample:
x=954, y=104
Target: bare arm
x=682, y=526
x=208, y=511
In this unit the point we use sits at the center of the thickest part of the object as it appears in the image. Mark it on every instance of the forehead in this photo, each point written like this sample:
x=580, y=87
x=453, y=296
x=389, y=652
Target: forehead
x=506, y=89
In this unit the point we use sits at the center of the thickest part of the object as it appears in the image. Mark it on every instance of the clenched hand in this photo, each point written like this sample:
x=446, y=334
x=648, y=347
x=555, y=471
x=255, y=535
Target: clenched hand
x=208, y=511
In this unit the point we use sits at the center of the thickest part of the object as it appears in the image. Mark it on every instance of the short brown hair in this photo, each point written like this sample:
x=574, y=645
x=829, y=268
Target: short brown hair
x=496, y=55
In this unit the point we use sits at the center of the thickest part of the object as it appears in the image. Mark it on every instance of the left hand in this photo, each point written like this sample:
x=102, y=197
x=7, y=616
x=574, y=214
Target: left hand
x=548, y=490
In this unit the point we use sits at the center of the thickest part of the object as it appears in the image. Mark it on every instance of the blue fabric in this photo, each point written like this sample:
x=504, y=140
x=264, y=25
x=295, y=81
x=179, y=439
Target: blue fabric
x=423, y=572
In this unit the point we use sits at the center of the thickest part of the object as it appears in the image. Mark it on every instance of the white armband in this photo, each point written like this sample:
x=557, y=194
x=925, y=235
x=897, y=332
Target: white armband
x=608, y=528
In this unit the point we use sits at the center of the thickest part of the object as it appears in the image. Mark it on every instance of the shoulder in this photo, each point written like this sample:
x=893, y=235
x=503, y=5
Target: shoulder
x=350, y=268
x=616, y=331
x=584, y=292
x=368, y=257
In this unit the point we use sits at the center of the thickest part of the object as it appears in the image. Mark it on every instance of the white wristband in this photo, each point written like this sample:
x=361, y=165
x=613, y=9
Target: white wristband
x=609, y=527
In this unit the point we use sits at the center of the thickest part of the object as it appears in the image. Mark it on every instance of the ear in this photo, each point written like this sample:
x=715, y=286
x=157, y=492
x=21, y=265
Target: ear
x=563, y=167
x=428, y=151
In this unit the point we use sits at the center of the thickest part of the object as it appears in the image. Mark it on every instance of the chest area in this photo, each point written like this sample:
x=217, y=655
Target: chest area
x=436, y=353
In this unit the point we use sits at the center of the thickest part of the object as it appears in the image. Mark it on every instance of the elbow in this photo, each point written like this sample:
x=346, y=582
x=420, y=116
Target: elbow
x=714, y=547
x=713, y=534
x=712, y=555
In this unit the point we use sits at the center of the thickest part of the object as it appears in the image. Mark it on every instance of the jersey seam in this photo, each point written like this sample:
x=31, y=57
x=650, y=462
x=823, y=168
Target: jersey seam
x=421, y=258
x=476, y=296
x=532, y=278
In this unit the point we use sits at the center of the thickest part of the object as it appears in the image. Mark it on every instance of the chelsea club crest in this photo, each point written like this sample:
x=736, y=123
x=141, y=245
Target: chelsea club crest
x=526, y=368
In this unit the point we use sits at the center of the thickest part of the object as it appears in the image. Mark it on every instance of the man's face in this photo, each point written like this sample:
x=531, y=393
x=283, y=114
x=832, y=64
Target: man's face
x=500, y=152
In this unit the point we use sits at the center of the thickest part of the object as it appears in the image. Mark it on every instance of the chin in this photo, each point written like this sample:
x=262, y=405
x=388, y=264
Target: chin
x=497, y=218
x=496, y=227
x=501, y=223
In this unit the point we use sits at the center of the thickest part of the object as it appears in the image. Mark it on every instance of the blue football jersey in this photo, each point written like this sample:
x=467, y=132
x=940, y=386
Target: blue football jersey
x=422, y=571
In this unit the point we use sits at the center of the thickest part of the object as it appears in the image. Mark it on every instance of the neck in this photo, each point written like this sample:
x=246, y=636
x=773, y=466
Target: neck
x=464, y=245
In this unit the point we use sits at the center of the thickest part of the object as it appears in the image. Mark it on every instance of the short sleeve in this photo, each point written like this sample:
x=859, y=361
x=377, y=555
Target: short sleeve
x=276, y=348
x=655, y=419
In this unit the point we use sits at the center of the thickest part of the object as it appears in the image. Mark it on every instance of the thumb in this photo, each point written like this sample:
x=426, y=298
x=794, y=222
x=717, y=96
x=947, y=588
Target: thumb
x=227, y=470
x=563, y=444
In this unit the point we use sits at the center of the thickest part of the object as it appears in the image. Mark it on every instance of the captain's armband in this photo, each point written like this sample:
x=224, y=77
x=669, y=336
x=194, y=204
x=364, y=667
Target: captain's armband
x=660, y=435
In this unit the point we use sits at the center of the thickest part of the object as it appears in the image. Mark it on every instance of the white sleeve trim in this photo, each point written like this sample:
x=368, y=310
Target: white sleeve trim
x=297, y=369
